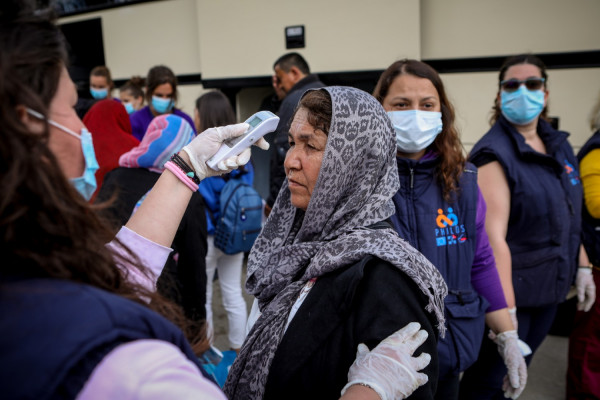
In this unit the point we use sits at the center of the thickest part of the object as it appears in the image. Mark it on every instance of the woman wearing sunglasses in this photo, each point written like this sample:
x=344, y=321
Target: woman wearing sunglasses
x=529, y=178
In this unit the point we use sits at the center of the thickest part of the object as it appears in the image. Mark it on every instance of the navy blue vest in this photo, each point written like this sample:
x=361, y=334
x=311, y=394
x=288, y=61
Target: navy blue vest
x=446, y=233
x=591, y=226
x=55, y=332
x=545, y=209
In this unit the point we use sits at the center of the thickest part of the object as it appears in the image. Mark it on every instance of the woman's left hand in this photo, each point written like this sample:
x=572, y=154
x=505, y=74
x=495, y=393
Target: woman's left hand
x=516, y=377
x=390, y=368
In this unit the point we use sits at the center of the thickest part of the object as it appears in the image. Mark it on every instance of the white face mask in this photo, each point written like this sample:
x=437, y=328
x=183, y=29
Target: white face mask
x=415, y=129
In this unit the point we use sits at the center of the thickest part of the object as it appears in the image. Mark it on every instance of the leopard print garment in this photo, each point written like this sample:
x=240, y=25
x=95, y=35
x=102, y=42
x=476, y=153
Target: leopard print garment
x=356, y=182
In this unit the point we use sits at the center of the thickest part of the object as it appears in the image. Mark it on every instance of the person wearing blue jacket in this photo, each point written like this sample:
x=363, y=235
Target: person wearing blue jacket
x=214, y=109
x=441, y=212
x=528, y=175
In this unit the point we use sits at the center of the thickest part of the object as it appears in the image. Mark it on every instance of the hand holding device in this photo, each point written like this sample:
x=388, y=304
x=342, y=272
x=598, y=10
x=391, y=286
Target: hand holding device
x=260, y=124
x=208, y=143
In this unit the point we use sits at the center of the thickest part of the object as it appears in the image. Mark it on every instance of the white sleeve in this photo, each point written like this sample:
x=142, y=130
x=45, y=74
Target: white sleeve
x=148, y=369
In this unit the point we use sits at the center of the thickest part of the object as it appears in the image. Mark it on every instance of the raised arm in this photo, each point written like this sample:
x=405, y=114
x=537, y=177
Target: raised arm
x=159, y=215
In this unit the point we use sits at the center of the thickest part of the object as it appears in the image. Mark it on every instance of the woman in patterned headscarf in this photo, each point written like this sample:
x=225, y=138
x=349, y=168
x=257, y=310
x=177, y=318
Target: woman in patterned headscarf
x=328, y=271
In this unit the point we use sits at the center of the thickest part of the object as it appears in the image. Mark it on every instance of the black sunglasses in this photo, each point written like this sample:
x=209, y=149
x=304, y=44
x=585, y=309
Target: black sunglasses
x=530, y=83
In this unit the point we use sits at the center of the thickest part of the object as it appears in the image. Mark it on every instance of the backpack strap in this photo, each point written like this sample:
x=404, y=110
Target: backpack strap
x=231, y=196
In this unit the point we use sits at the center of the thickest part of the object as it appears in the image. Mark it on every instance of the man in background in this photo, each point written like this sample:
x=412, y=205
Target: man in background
x=293, y=78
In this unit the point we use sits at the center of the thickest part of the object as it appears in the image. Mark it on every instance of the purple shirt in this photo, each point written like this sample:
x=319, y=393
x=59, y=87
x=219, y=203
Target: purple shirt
x=142, y=118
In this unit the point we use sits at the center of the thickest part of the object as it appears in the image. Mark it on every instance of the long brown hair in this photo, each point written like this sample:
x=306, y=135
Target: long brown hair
x=214, y=109
x=47, y=229
x=447, y=144
x=159, y=75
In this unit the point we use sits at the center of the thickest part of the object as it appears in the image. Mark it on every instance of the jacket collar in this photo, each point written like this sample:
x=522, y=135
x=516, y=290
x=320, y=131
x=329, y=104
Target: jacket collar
x=308, y=79
x=551, y=137
x=428, y=161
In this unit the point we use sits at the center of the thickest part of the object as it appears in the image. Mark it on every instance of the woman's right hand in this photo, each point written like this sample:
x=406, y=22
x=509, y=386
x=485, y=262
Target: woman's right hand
x=206, y=144
x=390, y=368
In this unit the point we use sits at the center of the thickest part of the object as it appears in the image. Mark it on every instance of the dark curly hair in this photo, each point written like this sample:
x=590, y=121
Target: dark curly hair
x=47, y=229
x=447, y=144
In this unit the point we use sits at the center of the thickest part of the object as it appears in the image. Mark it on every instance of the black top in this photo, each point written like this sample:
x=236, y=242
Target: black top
x=344, y=308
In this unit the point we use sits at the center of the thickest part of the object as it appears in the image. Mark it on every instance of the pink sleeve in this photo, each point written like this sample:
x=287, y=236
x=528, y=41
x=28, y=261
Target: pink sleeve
x=148, y=369
x=152, y=255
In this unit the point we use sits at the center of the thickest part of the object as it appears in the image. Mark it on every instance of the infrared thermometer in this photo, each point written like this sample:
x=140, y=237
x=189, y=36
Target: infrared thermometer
x=260, y=123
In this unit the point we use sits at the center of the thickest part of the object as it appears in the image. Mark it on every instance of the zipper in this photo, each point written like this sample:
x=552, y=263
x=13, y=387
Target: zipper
x=411, y=207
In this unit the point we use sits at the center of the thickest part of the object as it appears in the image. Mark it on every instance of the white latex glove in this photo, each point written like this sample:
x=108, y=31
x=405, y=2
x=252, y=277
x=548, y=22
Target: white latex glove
x=206, y=144
x=390, y=369
x=516, y=378
x=513, y=317
x=586, y=289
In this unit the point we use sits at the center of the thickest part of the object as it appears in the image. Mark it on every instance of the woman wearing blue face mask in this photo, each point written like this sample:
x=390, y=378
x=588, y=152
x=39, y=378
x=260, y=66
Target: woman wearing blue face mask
x=101, y=83
x=132, y=94
x=161, y=95
x=529, y=177
x=440, y=211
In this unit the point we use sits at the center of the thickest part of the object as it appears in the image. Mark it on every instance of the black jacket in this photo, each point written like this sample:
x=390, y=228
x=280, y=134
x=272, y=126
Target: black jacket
x=363, y=303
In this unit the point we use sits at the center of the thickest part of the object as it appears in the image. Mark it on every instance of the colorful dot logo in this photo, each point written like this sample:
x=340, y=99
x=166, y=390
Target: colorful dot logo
x=443, y=221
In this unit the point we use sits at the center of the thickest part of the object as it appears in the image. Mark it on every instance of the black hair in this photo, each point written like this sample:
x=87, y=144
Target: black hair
x=289, y=60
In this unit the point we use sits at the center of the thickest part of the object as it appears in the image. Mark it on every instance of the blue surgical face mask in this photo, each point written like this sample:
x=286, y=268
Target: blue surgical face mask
x=129, y=107
x=521, y=106
x=161, y=105
x=85, y=184
x=415, y=129
x=99, y=94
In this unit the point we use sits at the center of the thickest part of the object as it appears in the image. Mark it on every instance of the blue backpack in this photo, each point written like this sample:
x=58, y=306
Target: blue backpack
x=240, y=221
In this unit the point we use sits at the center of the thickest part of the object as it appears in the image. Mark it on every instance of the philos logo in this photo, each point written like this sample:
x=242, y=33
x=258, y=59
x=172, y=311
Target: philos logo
x=572, y=173
x=449, y=231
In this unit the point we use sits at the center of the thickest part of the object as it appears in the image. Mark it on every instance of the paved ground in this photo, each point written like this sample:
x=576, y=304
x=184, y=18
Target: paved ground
x=546, y=373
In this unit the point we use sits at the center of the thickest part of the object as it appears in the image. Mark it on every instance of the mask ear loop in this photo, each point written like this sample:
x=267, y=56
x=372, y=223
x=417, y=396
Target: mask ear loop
x=53, y=123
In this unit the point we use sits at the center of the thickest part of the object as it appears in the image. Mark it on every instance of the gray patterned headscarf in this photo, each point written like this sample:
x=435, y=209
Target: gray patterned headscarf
x=354, y=190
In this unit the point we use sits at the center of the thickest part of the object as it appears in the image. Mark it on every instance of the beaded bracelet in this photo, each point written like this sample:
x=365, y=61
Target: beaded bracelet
x=181, y=175
x=189, y=171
